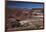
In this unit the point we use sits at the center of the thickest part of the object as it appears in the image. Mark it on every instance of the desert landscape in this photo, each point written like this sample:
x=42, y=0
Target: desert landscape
x=25, y=19
x=24, y=16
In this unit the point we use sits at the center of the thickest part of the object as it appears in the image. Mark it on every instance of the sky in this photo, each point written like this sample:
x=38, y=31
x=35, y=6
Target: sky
x=23, y=5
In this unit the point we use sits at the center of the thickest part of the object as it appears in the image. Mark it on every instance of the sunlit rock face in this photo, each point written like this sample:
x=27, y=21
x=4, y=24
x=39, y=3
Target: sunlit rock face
x=36, y=24
x=27, y=23
x=24, y=22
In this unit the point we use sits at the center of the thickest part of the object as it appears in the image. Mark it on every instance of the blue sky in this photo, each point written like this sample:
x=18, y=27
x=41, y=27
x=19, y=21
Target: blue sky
x=23, y=5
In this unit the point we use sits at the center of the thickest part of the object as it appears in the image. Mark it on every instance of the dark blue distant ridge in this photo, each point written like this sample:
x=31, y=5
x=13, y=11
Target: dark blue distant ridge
x=23, y=5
